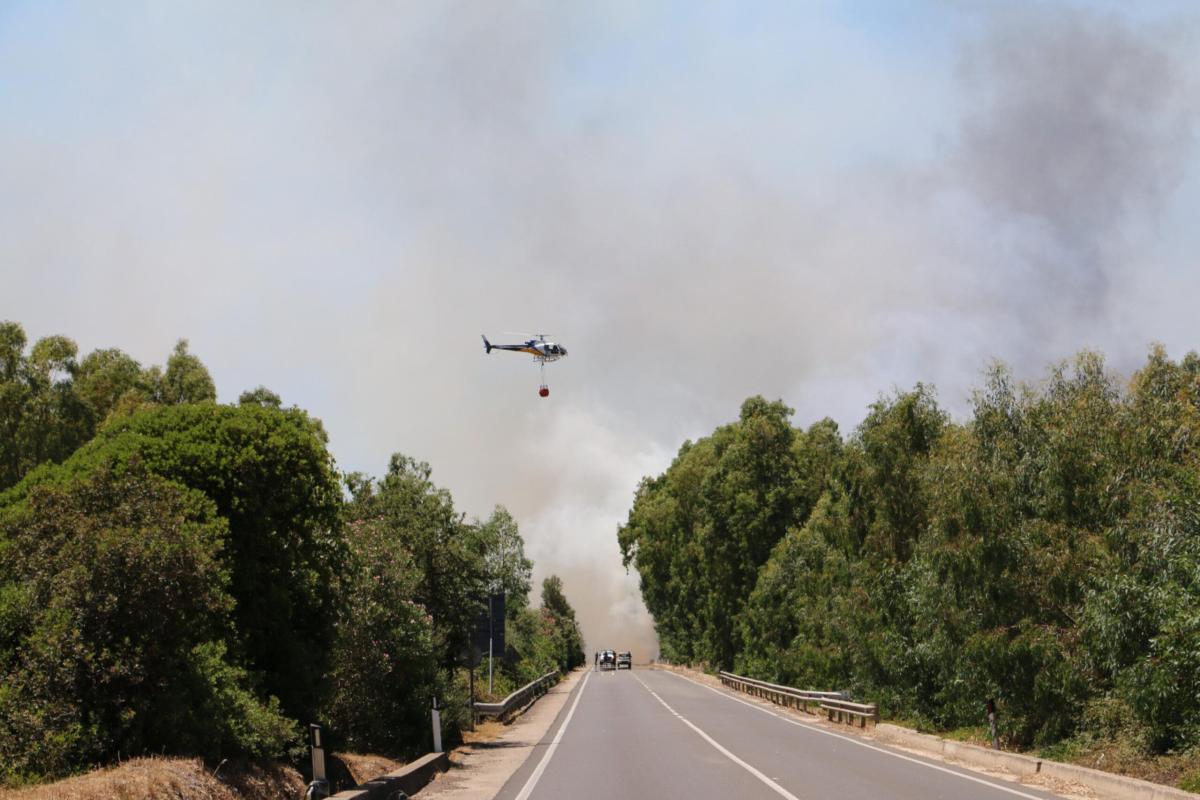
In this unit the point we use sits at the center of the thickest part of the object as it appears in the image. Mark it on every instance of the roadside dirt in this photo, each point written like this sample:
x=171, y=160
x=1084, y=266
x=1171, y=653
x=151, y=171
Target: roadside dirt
x=169, y=779
x=189, y=779
x=489, y=757
x=363, y=768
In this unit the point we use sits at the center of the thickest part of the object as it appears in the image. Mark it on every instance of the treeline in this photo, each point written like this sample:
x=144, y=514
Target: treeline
x=183, y=577
x=1045, y=552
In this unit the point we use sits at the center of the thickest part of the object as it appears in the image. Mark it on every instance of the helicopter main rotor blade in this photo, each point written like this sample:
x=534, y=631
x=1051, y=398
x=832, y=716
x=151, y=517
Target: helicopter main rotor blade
x=541, y=336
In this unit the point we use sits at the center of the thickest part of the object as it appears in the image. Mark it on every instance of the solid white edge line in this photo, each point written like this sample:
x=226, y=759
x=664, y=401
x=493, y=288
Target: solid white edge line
x=527, y=789
x=852, y=740
x=770, y=783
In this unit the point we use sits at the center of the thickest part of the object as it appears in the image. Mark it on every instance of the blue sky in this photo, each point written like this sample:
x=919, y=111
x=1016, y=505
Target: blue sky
x=812, y=201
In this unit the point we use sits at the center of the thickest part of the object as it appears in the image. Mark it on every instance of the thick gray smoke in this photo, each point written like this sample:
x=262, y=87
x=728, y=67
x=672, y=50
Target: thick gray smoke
x=702, y=207
x=1077, y=130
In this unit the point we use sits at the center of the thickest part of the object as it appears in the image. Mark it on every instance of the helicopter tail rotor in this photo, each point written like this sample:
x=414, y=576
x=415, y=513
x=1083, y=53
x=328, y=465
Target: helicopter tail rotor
x=487, y=346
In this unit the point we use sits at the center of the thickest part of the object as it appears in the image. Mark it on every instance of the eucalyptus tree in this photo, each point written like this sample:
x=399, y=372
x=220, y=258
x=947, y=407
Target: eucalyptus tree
x=699, y=533
x=186, y=380
x=51, y=402
x=560, y=616
x=505, y=567
x=446, y=553
x=1043, y=553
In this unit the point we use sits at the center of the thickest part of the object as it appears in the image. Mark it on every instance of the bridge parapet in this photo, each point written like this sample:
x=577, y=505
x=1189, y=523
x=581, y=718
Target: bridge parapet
x=527, y=693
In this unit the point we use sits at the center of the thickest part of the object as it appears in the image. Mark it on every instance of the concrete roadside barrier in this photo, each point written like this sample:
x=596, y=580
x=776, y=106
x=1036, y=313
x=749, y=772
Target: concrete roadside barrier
x=409, y=779
x=1109, y=784
x=926, y=742
x=1105, y=784
x=1016, y=763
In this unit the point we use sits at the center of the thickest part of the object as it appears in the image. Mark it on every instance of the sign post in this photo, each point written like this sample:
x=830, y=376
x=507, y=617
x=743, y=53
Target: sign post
x=491, y=637
x=489, y=632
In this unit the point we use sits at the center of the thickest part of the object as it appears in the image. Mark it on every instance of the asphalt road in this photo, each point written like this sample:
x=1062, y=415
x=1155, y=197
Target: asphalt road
x=654, y=734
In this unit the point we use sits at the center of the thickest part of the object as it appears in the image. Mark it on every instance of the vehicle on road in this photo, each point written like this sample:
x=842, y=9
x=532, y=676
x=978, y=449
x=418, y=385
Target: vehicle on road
x=608, y=659
x=624, y=660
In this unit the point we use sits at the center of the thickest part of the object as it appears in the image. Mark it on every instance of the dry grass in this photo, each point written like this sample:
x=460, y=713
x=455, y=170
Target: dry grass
x=363, y=768
x=485, y=731
x=169, y=779
x=1125, y=759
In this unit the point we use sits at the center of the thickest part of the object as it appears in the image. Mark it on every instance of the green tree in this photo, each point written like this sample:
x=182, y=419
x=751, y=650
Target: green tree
x=533, y=648
x=793, y=627
x=114, y=613
x=271, y=477
x=260, y=396
x=447, y=557
x=106, y=379
x=186, y=379
x=1042, y=553
x=384, y=664
x=505, y=567
x=41, y=418
x=699, y=533
x=50, y=404
x=560, y=624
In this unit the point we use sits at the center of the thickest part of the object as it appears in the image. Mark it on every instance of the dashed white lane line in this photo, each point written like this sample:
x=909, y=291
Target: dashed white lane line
x=775, y=787
x=852, y=740
x=527, y=789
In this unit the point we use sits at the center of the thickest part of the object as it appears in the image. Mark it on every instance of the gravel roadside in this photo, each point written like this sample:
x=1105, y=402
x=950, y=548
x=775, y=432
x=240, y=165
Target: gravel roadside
x=479, y=768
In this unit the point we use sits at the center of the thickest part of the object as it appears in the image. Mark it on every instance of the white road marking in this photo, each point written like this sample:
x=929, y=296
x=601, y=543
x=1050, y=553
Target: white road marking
x=775, y=787
x=853, y=740
x=527, y=789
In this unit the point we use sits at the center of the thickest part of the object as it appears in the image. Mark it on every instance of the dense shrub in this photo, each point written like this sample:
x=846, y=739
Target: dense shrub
x=113, y=614
x=384, y=668
x=447, y=556
x=270, y=476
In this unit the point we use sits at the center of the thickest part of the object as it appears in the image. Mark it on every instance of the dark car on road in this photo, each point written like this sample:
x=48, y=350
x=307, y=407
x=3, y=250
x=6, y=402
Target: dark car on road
x=608, y=659
x=624, y=660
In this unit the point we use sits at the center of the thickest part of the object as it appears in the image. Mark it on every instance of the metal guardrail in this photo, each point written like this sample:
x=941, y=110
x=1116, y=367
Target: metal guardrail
x=833, y=703
x=847, y=711
x=518, y=698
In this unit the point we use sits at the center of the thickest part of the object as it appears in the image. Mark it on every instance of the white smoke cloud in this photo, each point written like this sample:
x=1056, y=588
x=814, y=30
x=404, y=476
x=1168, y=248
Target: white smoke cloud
x=799, y=203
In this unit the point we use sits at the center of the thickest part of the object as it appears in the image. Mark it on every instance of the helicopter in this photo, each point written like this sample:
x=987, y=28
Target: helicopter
x=543, y=352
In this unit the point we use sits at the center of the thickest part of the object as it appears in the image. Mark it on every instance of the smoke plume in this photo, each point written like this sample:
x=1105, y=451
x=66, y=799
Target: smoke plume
x=701, y=205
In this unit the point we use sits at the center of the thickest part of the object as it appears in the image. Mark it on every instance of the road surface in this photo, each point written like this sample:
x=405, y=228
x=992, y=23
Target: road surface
x=650, y=733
